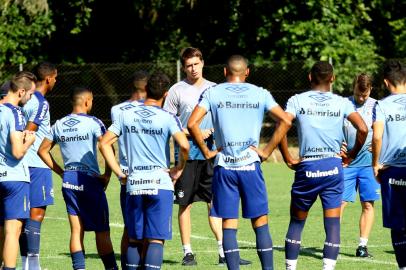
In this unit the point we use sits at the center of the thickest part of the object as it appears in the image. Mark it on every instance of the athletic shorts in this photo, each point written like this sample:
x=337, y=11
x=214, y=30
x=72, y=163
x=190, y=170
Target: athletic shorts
x=322, y=177
x=123, y=192
x=393, y=186
x=363, y=180
x=231, y=184
x=84, y=197
x=150, y=216
x=41, y=188
x=14, y=200
x=194, y=185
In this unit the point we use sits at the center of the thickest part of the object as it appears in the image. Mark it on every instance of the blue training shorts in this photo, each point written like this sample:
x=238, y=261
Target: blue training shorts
x=150, y=216
x=393, y=185
x=231, y=184
x=14, y=200
x=363, y=180
x=321, y=177
x=85, y=197
x=41, y=188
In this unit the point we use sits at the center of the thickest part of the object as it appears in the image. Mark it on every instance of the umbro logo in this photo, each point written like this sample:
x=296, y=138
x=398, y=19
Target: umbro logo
x=220, y=105
x=127, y=107
x=71, y=122
x=144, y=112
x=237, y=88
x=320, y=97
x=401, y=101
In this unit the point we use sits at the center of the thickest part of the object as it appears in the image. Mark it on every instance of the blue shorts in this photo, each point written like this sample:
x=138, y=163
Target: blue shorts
x=84, y=197
x=123, y=192
x=363, y=180
x=150, y=216
x=41, y=189
x=229, y=185
x=322, y=177
x=14, y=200
x=393, y=185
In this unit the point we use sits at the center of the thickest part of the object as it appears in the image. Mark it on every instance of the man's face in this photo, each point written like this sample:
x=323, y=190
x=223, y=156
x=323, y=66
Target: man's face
x=193, y=68
x=26, y=94
x=361, y=97
x=52, y=80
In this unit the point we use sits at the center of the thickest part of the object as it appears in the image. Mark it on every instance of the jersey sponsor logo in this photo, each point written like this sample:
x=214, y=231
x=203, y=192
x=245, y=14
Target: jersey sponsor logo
x=3, y=159
x=77, y=168
x=73, y=187
x=237, y=88
x=144, y=121
x=318, y=173
x=314, y=112
x=127, y=107
x=147, y=131
x=399, y=155
x=401, y=101
x=320, y=97
x=43, y=111
x=71, y=122
x=235, y=105
x=397, y=117
x=314, y=149
x=246, y=143
x=144, y=192
x=146, y=167
x=141, y=181
x=397, y=182
x=75, y=138
x=230, y=159
x=144, y=112
x=3, y=174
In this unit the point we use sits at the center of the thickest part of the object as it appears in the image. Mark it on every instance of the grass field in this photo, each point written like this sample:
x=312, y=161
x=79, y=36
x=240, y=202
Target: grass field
x=55, y=233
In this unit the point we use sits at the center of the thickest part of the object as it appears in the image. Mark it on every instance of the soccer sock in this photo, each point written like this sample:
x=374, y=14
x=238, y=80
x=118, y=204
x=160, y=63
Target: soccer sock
x=332, y=243
x=187, y=249
x=33, y=233
x=329, y=264
x=154, y=256
x=134, y=256
x=109, y=261
x=78, y=260
x=123, y=261
x=264, y=247
x=399, y=246
x=363, y=242
x=220, y=248
x=292, y=241
x=231, y=251
x=8, y=268
x=23, y=248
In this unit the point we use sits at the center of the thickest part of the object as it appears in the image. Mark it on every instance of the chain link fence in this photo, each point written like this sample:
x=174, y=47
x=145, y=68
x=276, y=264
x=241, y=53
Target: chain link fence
x=111, y=84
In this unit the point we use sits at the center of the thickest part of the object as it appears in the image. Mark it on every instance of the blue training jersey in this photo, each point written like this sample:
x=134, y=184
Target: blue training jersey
x=115, y=111
x=319, y=118
x=237, y=111
x=391, y=111
x=77, y=136
x=37, y=111
x=364, y=157
x=146, y=131
x=11, y=169
x=181, y=100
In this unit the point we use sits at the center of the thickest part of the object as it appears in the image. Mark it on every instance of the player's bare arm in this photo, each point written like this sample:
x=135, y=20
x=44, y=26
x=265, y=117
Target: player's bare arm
x=20, y=142
x=377, y=134
x=44, y=152
x=362, y=133
x=31, y=126
x=106, y=148
x=105, y=178
x=176, y=171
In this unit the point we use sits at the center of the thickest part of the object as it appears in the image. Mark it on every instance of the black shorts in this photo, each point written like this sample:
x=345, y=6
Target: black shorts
x=194, y=185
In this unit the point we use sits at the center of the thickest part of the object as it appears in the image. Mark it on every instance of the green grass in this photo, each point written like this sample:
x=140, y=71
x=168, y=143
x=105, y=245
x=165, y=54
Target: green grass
x=55, y=233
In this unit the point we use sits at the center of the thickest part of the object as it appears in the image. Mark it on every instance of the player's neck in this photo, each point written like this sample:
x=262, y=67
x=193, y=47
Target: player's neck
x=153, y=102
x=321, y=87
x=236, y=79
x=11, y=99
x=195, y=82
x=42, y=89
x=79, y=110
x=400, y=89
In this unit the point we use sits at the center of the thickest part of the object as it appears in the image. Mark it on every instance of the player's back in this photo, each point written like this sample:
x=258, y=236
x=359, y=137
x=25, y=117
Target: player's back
x=237, y=111
x=392, y=111
x=77, y=136
x=319, y=119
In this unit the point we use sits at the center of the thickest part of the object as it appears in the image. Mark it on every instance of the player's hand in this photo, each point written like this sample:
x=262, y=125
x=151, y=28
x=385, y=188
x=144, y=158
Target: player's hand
x=292, y=163
x=175, y=172
x=262, y=155
x=377, y=169
x=346, y=158
x=123, y=179
x=343, y=149
x=212, y=154
x=104, y=179
x=206, y=133
x=28, y=136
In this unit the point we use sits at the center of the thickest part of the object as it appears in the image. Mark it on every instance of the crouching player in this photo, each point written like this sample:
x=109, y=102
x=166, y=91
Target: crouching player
x=146, y=130
x=83, y=186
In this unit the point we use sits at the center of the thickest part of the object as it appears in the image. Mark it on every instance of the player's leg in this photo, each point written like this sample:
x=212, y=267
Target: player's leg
x=399, y=246
x=332, y=242
x=124, y=238
x=12, y=230
x=105, y=250
x=294, y=234
x=350, y=187
x=76, y=247
x=134, y=212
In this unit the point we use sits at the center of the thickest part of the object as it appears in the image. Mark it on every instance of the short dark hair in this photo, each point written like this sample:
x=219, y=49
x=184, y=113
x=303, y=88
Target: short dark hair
x=321, y=72
x=190, y=52
x=394, y=72
x=136, y=78
x=157, y=85
x=22, y=80
x=363, y=81
x=77, y=91
x=5, y=87
x=44, y=69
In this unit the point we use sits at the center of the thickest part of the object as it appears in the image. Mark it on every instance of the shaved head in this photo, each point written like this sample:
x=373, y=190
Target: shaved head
x=237, y=65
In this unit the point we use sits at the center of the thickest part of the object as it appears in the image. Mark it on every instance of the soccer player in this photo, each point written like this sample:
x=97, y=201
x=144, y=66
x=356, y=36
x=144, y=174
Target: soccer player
x=319, y=171
x=4, y=90
x=146, y=130
x=36, y=112
x=359, y=174
x=196, y=180
x=237, y=172
x=139, y=81
x=83, y=187
x=14, y=175
x=389, y=156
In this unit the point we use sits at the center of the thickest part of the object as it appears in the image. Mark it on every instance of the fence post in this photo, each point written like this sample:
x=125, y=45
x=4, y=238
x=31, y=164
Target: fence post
x=177, y=70
x=20, y=67
x=330, y=60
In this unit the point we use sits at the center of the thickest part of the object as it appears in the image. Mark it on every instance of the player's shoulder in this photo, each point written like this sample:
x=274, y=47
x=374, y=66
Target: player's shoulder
x=178, y=87
x=124, y=106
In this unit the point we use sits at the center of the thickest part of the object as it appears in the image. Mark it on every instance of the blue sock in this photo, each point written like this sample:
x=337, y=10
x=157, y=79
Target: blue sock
x=154, y=256
x=293, y=238
x=78, y=260
x=332, y=243
x=264, y=247
x=109, y=261
x=33, y=234
x=8, y=268
x=399, y=246
x=23, y=248
x=123, y=261
x=134, y=256
x=230, y=246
